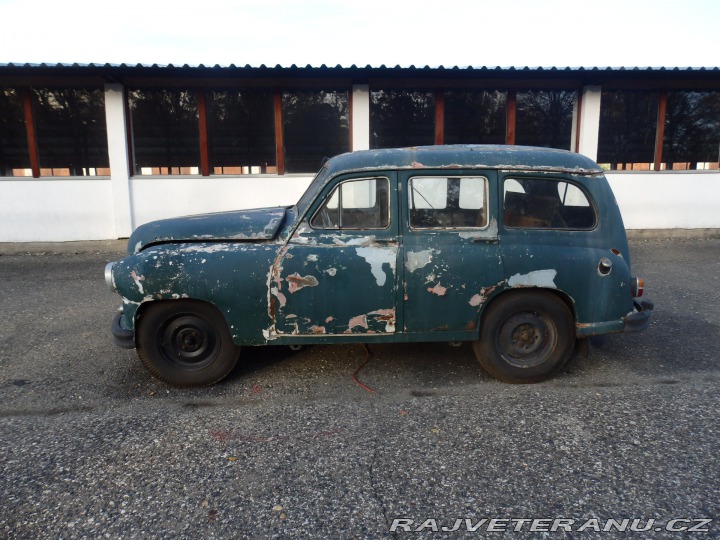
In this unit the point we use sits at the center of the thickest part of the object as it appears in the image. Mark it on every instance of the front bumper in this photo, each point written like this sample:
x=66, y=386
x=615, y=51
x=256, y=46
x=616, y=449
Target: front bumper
x=639, y=319
x=123, y=338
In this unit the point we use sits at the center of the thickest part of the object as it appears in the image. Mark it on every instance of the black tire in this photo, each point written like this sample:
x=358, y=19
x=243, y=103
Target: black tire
x=185, y=343
x=526, y=336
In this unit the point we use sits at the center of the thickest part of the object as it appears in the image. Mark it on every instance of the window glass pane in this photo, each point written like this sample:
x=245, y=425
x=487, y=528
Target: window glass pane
x=400, y=118
x=628, y=121
x=692, y=131
x=472, y=193
x=14, y=156
x=475, y=117
x=166, y=136
x=428, y=193
x=544, y=118
x=71, y=132
x=316, y=125
x=546, y=204
x=241, y=131
x=356, y=204
x=439, y=202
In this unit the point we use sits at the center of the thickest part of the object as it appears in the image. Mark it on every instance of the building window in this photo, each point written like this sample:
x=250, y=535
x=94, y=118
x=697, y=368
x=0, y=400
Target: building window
x=628, y=122
x=241, y=132
x=71, y=131
x=475, y=117
x=692, y=131
x=165, y=133
x=14, y=155
x=316, y=125
x=401, y=118
x=544, y=118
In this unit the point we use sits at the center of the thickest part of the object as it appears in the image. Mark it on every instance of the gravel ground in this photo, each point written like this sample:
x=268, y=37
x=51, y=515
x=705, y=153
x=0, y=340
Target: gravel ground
x=290, y=446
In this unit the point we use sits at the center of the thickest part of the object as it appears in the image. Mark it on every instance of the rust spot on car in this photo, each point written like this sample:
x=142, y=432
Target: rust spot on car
x=317, y=329
x=470, y=325
x=479, y=299
x=387, y=316
x=583, y=325
x=297, y=282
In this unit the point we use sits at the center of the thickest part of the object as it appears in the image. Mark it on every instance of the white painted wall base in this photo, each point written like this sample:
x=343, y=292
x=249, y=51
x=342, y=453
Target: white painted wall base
x=668, y=200
x=56, y=210
x=158, y=198
x=82, y=209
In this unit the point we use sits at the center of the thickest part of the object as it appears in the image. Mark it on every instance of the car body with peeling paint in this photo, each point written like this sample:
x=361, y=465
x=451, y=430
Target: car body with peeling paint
x=519, y=250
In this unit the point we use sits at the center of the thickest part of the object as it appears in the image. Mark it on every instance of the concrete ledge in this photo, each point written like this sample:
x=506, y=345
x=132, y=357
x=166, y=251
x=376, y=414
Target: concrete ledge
x=670, y=234
x=70, y=248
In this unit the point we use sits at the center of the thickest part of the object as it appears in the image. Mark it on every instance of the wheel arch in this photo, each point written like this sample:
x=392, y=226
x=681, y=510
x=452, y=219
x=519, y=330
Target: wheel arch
x=519, y=291
x=152, y=304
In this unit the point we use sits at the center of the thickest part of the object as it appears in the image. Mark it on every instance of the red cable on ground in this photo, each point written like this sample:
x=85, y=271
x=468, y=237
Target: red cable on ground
x=354, y=376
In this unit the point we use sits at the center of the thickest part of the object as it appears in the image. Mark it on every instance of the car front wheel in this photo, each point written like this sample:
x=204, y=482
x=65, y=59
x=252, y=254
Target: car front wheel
x=185, y=343
x=526, y=336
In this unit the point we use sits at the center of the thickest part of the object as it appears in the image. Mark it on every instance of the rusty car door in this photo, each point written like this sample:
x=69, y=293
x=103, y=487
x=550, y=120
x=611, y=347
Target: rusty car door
x=337, y=275
x=450, y=255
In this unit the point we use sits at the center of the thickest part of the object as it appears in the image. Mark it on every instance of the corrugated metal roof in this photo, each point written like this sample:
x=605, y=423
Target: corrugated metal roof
x=553, y=69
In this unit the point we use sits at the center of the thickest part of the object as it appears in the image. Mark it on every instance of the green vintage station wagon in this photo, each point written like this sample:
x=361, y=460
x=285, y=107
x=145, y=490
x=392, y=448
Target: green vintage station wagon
x=520, y=251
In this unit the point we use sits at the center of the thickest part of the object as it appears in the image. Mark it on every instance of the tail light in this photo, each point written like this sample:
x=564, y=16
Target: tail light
x=637, y=286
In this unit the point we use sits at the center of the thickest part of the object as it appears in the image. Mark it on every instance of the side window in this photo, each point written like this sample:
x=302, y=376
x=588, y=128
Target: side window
x=546, y=204
x=439, y=202
x=356, y=204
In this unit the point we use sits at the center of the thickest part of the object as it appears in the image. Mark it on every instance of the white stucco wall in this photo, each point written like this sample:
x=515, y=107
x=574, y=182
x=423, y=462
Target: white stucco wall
x=668, y=200
x=83, y=209
x=157, y=198
x=56, y=210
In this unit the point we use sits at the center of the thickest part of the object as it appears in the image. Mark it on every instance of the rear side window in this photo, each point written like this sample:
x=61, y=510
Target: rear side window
x=546, y=204
x=439, y=202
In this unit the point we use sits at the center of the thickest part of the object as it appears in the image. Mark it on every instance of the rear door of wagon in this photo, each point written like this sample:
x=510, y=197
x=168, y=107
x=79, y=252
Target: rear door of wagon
x=450, y=252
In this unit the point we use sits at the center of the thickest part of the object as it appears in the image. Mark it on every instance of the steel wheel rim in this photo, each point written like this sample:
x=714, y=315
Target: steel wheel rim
x=188, y=342
x=526, y=339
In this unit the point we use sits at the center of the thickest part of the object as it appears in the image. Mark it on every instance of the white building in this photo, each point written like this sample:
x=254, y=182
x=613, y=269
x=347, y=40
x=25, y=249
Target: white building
x=89, y=152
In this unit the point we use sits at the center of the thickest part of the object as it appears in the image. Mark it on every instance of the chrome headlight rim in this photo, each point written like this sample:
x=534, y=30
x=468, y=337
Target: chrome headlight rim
x=109, y=277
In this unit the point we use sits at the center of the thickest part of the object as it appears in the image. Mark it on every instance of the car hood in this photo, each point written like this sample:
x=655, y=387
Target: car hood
x=239, y=226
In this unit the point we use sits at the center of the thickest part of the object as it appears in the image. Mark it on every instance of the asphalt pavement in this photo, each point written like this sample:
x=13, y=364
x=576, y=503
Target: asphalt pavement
x=289, y=446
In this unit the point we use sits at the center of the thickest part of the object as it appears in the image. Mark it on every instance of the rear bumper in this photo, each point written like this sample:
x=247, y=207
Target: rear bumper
x=639, y=319
x=123, y=338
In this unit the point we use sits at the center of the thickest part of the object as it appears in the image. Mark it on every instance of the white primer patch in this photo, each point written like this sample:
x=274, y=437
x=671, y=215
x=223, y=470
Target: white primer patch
x=537, y=278
x=418, y=259
x=376, y=257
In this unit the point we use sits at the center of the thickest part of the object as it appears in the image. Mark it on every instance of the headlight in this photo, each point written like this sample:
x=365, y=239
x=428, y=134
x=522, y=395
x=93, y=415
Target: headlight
x=109, y=277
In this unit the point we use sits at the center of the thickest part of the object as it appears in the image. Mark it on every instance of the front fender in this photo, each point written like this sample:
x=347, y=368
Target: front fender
x=230, y=276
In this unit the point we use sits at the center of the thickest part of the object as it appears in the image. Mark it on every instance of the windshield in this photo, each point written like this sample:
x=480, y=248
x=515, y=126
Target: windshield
x=313, y=189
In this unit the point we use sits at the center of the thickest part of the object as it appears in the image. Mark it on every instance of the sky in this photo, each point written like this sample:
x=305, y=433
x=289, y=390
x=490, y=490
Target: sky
x=560, y=33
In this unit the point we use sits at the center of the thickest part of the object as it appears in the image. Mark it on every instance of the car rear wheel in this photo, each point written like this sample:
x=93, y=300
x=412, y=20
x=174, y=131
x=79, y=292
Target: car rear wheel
x=526, y=336
x=185, y=343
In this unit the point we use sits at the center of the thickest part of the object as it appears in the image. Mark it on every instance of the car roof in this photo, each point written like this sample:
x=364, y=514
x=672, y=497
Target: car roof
x=478, y=156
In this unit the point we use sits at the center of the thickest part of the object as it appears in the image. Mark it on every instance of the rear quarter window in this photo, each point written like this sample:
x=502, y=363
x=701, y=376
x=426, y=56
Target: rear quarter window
x=536, y=203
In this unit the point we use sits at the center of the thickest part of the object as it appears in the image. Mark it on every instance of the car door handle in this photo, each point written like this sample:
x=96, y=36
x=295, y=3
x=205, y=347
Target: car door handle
x=385, y=241
x=492, y=240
